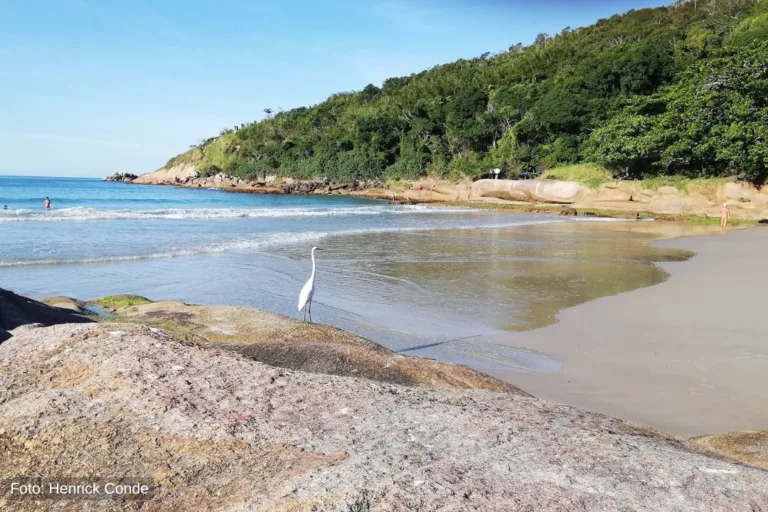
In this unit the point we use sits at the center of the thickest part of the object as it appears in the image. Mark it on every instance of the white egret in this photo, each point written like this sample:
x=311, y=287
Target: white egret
x=305, y=297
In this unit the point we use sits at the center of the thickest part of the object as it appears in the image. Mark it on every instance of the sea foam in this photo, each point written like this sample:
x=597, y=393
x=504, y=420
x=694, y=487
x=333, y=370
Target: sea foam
x=263, y=241
x=82, y=214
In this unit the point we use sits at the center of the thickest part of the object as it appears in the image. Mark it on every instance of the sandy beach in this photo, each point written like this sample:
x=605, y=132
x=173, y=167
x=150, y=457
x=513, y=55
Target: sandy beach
x=687, y=356
x=235, y=396
x=605, y=327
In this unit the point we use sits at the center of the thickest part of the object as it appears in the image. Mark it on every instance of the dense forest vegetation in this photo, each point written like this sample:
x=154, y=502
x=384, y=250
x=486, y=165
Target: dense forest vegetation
x=677, y=90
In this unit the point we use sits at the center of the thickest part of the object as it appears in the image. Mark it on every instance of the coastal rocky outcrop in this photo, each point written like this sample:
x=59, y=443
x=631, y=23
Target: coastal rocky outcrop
x=542, y=195
x=125, y=177
x=288, y=343
x=185, y=175
x=679, y=205
x=174, y=175
x=744, y=200
x=749, y=446
x=17, y=311
x=212, y=429
x=539, y=191
x=290, y=186
x=224, y=408
x=260, y=335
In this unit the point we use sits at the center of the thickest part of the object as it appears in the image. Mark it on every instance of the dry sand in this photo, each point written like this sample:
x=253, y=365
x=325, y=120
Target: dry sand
x=688, y=356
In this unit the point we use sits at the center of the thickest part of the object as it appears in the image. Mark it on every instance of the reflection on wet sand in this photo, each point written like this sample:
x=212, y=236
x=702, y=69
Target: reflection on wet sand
x=685, y=356
x=469, y=296
x=452, y=294
x=512, y=279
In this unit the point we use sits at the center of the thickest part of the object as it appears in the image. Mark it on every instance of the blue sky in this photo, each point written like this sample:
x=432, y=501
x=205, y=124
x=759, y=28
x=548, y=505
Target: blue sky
x=88, y=88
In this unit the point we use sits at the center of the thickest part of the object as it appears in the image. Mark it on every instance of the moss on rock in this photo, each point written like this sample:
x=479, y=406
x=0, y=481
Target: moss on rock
x=121, y=301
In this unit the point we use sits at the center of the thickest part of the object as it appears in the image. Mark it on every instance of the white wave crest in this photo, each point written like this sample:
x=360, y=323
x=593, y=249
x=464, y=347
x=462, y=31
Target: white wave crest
x=81, y=214
x=230, y=246
x=270, y=240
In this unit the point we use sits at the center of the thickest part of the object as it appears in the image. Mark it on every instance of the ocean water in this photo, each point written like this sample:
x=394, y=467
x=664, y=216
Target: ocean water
x=438, y=282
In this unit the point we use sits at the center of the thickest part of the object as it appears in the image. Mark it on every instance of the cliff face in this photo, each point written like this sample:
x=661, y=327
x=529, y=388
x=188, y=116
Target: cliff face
x=215, y=430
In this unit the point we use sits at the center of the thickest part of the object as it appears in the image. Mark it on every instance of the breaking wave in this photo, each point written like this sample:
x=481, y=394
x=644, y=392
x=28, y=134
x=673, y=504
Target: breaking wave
x=267, y=240
x=80, y=214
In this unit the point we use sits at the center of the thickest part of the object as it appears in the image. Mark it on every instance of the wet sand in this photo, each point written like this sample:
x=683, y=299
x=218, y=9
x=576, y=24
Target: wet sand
x=466, y=287
x=688, y=356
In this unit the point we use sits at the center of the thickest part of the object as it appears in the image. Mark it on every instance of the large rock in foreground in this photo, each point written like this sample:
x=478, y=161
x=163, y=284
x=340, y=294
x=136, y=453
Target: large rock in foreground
x=289, y=343
x=217, y=431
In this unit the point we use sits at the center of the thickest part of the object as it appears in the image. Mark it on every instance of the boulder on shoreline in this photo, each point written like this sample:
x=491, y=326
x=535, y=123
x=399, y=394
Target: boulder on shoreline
x=542, y=191
x=215, y=430
x=17, y=311
x=125, y=177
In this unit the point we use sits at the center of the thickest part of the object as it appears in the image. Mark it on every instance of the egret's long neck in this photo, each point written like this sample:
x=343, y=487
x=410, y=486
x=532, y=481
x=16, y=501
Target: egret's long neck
x=312, y=277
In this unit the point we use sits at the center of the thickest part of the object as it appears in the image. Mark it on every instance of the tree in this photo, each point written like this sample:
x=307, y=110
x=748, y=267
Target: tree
x=464, y=117
x=665, y=90
x=370, y=92
x=719, y=116
x=628, y=144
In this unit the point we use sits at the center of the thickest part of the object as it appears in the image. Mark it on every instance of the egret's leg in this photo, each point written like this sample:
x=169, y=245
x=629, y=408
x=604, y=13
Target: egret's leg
x=304, y=310
x=310, y=311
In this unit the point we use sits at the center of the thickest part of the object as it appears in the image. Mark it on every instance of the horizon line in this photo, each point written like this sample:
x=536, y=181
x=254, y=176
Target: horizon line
x=3, y=175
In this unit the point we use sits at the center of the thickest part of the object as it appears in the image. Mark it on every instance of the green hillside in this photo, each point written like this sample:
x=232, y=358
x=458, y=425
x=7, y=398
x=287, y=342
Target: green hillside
x=677, y=90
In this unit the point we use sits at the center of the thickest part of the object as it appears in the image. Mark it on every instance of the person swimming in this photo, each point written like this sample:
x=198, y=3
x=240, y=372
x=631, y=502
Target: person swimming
x=47, y=203
x=5, y=207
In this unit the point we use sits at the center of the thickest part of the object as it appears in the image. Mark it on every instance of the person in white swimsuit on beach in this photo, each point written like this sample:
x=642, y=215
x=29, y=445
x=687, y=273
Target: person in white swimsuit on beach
x=725, y=214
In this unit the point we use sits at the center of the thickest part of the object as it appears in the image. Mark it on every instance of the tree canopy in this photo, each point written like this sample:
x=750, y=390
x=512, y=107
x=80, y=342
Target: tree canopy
x=672, y=90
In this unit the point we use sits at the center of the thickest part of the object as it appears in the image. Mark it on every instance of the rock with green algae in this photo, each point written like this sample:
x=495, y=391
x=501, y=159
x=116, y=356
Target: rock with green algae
x=121, y=301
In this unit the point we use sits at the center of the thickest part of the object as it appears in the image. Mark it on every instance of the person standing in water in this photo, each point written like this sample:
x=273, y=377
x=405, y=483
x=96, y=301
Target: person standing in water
x=725, y=214
x=47, y=203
